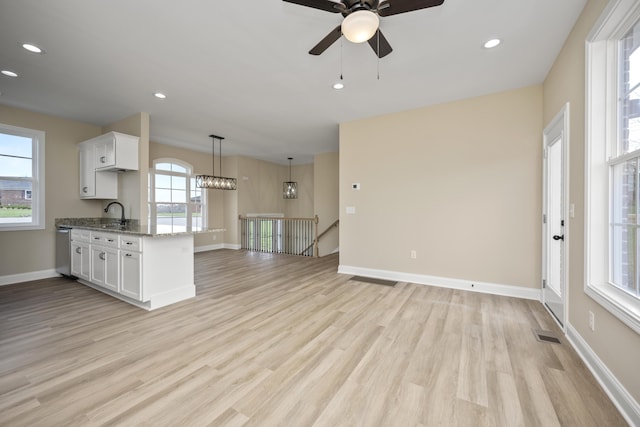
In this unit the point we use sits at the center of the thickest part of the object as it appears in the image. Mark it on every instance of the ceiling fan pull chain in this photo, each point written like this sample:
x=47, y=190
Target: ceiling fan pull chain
x=340, y=58
x=378, y=52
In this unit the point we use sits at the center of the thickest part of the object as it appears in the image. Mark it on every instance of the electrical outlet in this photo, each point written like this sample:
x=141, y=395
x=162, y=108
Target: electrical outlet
x=215, y=237
x=592, y=321
x=414, y=254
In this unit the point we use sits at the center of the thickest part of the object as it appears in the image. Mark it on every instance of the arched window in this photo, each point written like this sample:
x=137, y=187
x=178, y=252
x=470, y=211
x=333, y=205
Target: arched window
x=175, y=203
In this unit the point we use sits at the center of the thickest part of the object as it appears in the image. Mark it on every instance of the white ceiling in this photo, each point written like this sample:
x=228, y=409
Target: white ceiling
x=240, y=69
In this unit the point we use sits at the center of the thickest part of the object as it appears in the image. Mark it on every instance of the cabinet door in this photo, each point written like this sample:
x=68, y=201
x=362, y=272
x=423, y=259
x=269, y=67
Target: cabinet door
x=130, y=274
x=104, y=267
x=80, y=260
x=105, y=153
x=87, y=173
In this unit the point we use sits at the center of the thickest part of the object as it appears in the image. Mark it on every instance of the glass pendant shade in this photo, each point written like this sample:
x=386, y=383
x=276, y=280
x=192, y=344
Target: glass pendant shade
x=360, y=26
x=212, y=181
x=290, y=188
x=216, y=182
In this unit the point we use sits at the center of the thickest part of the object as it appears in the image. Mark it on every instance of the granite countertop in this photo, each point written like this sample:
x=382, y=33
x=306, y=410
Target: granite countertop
x=132, y=227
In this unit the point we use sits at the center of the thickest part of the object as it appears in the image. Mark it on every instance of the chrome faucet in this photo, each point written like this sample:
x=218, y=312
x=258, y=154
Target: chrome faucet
x=123, y=221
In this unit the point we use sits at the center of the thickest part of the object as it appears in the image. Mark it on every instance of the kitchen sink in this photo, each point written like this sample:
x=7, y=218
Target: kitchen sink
x=114, y=226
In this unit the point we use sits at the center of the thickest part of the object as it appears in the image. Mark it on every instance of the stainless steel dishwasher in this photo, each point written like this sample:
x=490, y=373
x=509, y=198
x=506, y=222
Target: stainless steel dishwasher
x=63, y=251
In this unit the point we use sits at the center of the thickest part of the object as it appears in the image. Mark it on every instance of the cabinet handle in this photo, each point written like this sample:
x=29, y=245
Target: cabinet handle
x=103, y=159
x=129, y=243
x=129, y=255
x=101, y=256
x=96, y=238
x=109, y=240
x=78, y=250
x=85, y=189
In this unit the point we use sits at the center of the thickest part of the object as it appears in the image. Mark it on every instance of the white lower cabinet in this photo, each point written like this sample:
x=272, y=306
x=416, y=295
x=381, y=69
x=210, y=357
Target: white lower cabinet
x=149, y=272
x=80, y=260
x=105, y=269
x=131, y=274
x=80, y=254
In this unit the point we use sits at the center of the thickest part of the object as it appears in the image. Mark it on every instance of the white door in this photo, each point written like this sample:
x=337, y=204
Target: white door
x=555, y=226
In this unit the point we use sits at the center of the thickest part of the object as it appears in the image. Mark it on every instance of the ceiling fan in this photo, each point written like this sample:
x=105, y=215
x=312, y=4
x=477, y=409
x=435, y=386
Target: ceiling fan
x=361, y=20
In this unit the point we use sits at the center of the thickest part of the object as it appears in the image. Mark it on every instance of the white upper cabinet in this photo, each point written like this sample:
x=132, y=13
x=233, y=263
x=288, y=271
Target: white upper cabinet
x=116, y=151
x=95, y=184
x=100, y=158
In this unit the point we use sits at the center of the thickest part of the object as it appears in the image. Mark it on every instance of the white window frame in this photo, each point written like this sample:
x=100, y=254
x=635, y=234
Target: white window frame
x=37, y=179
x=189, y=175
x=601, y=137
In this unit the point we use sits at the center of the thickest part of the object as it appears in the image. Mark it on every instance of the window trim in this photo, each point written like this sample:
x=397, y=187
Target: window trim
x=38, y=220
x=601, y=111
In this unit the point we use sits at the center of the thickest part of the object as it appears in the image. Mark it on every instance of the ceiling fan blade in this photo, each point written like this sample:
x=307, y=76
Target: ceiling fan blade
x=385, y=47
x=326, y=5
x=394, y=7
x=330, y=39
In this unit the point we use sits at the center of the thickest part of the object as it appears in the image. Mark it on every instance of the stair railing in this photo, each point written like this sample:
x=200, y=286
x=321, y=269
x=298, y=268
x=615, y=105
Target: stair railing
x=294, y=236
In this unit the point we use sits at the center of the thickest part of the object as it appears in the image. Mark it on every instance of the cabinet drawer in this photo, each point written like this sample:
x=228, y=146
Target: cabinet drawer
x=104, y=239
x=79, y=235
x=130, y=243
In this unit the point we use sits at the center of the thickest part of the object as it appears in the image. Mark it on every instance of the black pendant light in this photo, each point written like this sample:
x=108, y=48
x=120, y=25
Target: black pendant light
x=212, y=181
x=290, y=188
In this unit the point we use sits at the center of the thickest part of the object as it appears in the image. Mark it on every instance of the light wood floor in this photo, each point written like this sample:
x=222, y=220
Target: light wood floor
x=279, y=340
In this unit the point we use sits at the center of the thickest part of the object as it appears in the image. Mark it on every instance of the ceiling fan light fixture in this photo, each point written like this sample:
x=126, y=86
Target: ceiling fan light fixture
x=360, y=26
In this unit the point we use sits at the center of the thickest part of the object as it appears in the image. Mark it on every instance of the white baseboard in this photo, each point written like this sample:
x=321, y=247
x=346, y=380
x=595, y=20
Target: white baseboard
x=445, y=282
x=626, y=404
x=27, y=277
x=216, y=247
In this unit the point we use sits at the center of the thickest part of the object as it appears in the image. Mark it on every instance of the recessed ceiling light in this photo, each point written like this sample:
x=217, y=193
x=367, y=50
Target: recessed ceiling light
x=9, y=73
x=492, y=43
x=160, y=95
x=32, y=48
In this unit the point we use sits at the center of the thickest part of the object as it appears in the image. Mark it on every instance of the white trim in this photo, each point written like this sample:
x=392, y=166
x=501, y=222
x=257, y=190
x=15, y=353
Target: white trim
x=37, y=179
x=206, y=248
x=601, y=136
x=445, y=282
x=562, y=121
x=215, y=247
x=156, y=301
x=621, y=398
x=28, y=277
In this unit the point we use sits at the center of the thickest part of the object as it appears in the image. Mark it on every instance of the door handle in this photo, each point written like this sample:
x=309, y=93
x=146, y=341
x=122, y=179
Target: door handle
x=101, y=256
x=78, y=250
x=556, y=237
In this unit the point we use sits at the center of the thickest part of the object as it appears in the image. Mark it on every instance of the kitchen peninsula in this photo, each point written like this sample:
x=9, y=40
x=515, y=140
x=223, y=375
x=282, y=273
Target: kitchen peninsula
x=149, y=266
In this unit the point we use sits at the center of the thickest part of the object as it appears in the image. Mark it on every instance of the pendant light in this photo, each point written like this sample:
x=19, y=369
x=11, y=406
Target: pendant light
x=212, y=181
x=290, y=188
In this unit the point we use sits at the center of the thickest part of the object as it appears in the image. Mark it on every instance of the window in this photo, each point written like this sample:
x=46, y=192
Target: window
x=175, y=203
x=21, y=178
x=613, y=162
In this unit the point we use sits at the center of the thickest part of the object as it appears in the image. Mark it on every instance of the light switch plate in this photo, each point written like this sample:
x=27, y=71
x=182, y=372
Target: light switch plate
x=351, y=210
